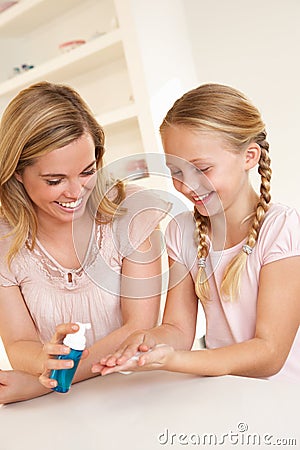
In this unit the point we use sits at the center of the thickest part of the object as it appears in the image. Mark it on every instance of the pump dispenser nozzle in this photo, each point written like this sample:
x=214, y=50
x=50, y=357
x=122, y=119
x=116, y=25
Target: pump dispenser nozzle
x=76, y=342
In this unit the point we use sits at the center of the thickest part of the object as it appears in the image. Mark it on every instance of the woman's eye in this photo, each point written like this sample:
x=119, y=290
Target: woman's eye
x=53, y=182
x=88, y=173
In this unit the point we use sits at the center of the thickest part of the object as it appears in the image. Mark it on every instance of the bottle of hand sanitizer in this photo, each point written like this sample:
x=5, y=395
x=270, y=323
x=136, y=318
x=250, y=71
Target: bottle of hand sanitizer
x=76, y=342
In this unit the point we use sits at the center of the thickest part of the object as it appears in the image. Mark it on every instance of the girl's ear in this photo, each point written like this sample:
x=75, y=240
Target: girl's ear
x=252, y=155
x=18, y=177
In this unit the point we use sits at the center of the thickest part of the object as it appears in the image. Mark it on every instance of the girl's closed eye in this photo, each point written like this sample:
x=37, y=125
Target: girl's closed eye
x=202, y=169
x=174, y=171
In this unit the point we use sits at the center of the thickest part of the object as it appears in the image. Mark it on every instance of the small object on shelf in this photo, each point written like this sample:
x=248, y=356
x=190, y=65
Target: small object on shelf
x=96, y=34
x=114, y=23
x=26, y=67
x=6, y=5
x=70, y=45
x=16, y=71
x=20, y=69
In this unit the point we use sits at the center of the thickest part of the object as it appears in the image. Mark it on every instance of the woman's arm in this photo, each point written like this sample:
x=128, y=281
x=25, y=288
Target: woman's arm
x=19, y=335
x=140, y=289
x=140, y=301
x=278, y=319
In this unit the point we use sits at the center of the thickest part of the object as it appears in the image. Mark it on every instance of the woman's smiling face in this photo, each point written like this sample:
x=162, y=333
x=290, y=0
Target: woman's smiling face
x=60, y=182
x=205, y=169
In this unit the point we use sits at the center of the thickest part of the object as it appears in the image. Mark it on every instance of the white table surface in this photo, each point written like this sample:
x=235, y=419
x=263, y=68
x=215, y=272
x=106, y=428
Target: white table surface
x=157, y=410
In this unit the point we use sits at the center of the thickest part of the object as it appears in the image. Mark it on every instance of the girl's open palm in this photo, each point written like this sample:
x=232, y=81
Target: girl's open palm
x=154, y=358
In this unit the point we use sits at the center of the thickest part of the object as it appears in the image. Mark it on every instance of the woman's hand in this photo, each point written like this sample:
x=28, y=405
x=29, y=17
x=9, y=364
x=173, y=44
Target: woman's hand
x=16, y=386
x=53, y=349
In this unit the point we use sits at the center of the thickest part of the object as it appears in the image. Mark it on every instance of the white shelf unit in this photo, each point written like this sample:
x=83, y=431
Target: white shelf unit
x=135, y=61
x=31, y=32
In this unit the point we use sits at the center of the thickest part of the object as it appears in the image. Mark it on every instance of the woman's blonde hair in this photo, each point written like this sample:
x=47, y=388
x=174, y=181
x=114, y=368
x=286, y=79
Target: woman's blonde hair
x=40, y=119
x=225, y=110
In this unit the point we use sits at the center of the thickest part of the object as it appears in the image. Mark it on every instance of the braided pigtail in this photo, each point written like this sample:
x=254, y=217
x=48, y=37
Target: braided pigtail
x=232, y=276
x=201, y=233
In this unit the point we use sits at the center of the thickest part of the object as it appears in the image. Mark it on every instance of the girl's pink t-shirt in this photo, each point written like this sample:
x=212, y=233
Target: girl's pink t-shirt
x=233, y=322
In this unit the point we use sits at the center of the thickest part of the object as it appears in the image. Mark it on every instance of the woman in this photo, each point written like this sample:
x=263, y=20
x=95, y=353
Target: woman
x=74, y=247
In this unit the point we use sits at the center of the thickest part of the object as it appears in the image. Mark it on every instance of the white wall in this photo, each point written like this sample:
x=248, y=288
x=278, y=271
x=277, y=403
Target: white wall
x=254, y=46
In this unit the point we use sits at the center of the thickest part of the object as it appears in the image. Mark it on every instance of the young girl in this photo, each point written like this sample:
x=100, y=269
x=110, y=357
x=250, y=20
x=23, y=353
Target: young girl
x=245, y=260
x=73, y=247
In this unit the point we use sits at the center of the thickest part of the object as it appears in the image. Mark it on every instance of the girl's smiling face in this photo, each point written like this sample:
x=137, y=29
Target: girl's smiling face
x=204, y=168
x=60, y=182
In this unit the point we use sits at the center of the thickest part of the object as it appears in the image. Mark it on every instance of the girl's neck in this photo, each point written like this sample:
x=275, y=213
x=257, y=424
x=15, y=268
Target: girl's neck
x=235, y=228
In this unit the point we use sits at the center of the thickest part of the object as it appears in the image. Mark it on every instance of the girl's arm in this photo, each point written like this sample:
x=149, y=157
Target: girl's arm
x=140, y=301
x=278, y=319
x=16, y=386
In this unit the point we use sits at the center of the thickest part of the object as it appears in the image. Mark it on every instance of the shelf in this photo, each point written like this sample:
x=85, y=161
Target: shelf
x=18, y=19
x=119, y=115
x=107, y=70
x=98, y=51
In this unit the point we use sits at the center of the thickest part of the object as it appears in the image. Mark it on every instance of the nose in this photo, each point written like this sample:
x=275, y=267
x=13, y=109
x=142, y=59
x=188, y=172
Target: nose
x=190, y=182
x=73, y=189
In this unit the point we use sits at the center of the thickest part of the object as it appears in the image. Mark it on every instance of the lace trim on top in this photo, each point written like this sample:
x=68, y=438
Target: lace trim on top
x=55, y=272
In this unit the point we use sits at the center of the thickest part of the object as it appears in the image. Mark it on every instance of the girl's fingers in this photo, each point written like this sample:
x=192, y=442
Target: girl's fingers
x=127, y=354
x=137, y=343
x=120, y=356
x=112, y=360
x=97, y=368
x=105, y=359
x=144, y=343
x=154, y=357
x=148, y=360
x=128, y=366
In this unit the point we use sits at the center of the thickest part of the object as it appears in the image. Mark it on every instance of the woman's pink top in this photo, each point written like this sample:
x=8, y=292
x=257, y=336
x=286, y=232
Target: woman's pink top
x=55, y=294
x=232, y=322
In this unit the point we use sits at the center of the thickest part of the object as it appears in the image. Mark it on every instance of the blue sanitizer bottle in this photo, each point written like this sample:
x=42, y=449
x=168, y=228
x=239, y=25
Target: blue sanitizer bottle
x=76, y=342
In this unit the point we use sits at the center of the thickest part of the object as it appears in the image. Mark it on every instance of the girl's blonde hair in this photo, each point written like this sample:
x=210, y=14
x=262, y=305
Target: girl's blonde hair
x=225, y=110
x=40, y=119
